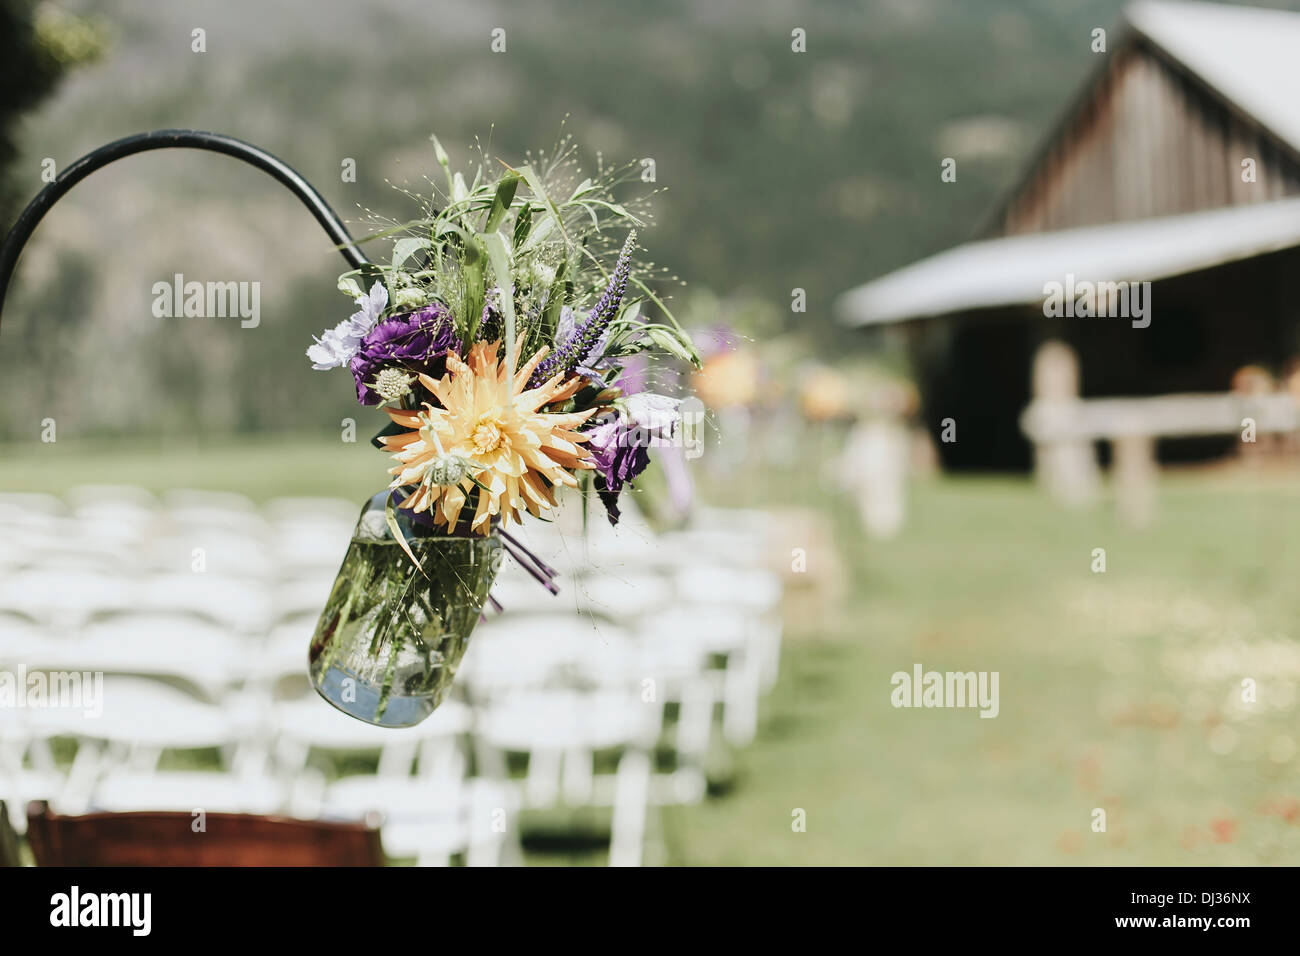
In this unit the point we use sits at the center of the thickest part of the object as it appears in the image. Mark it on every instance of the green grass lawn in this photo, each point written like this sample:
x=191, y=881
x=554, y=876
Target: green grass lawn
x=1119, y=690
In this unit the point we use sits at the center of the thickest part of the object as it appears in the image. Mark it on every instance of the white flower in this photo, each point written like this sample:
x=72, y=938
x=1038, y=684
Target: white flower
x=371, y=308
x=336, y=346
x=658, y=415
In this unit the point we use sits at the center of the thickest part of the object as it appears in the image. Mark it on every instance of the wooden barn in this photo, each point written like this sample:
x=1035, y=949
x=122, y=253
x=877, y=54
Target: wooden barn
x=1177, y=165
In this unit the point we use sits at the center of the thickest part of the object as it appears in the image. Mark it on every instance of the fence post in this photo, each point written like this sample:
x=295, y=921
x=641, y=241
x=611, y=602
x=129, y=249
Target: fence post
x=1135, y=478
x=1067, y=466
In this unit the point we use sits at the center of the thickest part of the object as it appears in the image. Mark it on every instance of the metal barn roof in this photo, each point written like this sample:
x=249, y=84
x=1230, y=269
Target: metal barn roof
x=1014, y=269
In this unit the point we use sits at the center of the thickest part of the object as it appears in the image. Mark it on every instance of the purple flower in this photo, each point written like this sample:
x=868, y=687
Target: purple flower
x=596, y=361
x=618, y=447
x=412, y=341
x=579, y=346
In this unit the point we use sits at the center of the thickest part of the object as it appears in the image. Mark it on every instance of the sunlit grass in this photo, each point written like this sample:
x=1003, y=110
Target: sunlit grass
x=1119, y=691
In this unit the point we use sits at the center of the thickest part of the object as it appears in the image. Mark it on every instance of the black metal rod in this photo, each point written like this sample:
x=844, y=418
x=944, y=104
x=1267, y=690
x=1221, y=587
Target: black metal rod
x=172, y=139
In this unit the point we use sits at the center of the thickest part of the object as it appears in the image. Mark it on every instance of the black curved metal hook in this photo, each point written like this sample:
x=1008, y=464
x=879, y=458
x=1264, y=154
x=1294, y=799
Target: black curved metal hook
x=172, y=139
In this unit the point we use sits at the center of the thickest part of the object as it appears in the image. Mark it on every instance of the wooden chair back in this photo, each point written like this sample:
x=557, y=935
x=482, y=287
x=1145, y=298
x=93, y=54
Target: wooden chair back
x=183, y=839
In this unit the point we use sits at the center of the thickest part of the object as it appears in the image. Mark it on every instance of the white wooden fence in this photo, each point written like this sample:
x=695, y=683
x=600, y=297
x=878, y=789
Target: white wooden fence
x=1064, y=430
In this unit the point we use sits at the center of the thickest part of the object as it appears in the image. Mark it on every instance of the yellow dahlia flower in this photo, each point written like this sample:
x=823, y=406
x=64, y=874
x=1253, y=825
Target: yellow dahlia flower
x=488, y=433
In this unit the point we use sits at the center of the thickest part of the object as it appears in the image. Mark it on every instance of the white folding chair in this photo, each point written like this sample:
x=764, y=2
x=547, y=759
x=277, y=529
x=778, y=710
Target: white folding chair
x=16, y=506
x=753, y=593
x=279, y=660
x=212, y=550
x=630, y=546
x=19, y=634
x=86, y=499
x=20, y=782
x=116, y=764
x=426, y=815
x=523, y=651
x=119, y=515
x=65, y=599
x=309, y=536
x=211, y=791
x=241, y=604
x=307, y=724
x=290, y=510
x=300, y=600
x=622, y=596
x=518, y=592
x=729, y=633
x=753, y=589
x=434, y=818
x=729, y=547
x=80, y=553
x=169, y=644
x=560, y=690
x=561, y=731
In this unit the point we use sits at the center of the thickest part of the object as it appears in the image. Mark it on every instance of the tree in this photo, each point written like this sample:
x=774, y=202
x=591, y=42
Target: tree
x=38, y=45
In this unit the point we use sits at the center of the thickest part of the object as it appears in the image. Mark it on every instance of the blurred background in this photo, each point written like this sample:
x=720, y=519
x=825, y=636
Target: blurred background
x=905, y=460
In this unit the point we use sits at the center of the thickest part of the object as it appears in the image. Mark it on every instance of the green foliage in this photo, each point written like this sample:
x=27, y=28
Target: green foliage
x=538, y=252
x=38, y=44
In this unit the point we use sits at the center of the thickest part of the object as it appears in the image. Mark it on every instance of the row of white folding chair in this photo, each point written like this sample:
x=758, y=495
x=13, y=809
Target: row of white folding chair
x=751, y=594
x=248, y=542
x=434, y=820
x=555, y=688
x=115, y=767
x=202, y=654
x=511, y=651
x=182, y=648
x=121, y=726
x=27, y=769
x=719, y=633
x=630, y=592
x=85, y=498
x=69, y=600
x=112, y=548
x=649, y=666
x=432, y=814
x=81, y=496
x=212, y=655
x=717, y=610
x=561, y=732
x=534, y=651
x=307, y=723
x=615, y=593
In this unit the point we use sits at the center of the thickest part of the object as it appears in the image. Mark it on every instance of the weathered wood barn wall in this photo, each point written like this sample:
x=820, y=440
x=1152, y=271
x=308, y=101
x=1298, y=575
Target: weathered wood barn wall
x=1147, y=138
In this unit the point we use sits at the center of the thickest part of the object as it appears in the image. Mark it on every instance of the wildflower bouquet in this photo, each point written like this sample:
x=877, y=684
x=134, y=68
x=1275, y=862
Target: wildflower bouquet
x=496, y=341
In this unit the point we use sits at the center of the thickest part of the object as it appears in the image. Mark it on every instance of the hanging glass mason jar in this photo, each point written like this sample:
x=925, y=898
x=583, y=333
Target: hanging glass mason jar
x=390, y=639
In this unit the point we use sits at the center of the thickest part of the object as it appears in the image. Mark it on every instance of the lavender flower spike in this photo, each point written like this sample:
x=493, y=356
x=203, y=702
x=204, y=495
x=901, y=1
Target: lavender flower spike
x=571, y=353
